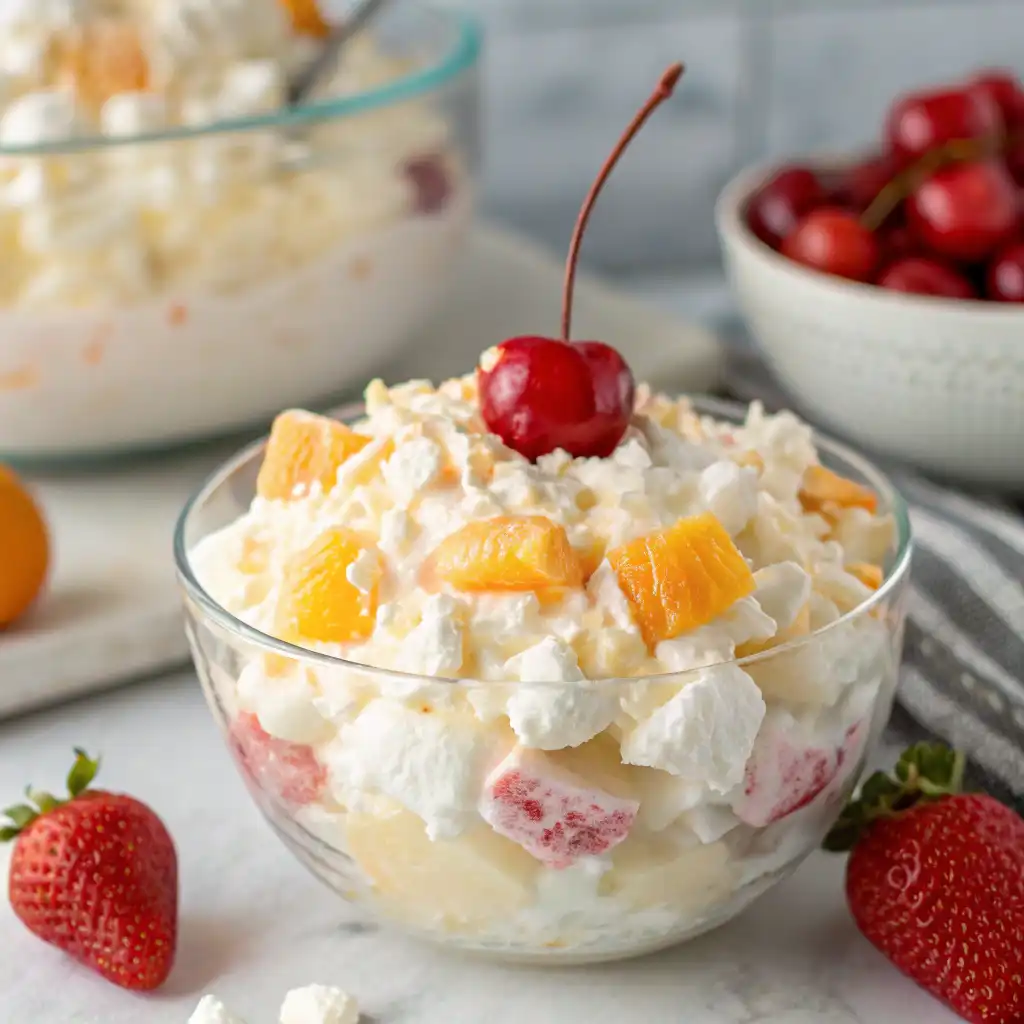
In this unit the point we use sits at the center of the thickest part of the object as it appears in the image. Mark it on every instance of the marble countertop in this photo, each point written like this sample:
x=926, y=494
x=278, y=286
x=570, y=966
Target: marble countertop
x=254, y=924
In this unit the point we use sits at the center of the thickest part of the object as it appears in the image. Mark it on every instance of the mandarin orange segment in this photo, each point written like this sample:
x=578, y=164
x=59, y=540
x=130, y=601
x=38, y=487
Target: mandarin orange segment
x=681, y=577
x=318, y=602
x=305, y=449
x=870, y=575
x=507, y=553
x=823, y=490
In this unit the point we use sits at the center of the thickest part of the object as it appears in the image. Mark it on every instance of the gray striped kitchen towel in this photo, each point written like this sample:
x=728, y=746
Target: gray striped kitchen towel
x=963, y=671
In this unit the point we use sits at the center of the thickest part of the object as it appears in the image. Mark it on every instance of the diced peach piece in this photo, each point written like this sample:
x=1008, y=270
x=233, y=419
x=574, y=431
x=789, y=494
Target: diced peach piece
x=681, y=577
x=507, y=553
x=317, y=600
x=870, y=575
x=552, y=813
x=105, y=57
x=304, y=449
x=469, y=881
x=822, y=490
x=306, y=18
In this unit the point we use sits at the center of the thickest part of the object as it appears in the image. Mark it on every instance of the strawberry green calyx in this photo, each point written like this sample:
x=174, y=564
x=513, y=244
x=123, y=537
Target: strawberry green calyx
x=20, y=816
x=925, y=773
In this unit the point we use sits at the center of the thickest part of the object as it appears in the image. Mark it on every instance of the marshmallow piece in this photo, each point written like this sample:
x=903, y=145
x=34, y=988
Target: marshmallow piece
x=427, y=762
x=705, y=733
x=285, y=706
x=37, y=117
x=212, y=1011
x=251, y=87
x=411, y=469
x=729, y=492
x=127, y=114
x=556, y=716
x=782, y=591
x=552, y=717
x=435, y=648
x=555, y=815
x=319, y=1004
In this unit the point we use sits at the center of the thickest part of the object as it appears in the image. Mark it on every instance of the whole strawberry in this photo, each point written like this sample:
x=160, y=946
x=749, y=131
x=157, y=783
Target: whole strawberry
x=936, y=882
x=96, y=875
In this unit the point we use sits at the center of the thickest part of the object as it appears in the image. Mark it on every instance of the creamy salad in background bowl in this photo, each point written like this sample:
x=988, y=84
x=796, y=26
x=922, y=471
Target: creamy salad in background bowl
x=560, y=710
x=182, y=254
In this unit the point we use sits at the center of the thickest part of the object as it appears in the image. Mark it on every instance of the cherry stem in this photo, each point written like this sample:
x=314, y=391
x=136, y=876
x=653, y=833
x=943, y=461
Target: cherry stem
x=660, y=94
x=899, y=187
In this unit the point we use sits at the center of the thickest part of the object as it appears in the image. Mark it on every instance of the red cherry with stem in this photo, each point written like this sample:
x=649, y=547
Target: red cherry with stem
x=964, y=211
x=773, y=211
x=833, y=241
x=1004, y=281
x=923, y=121
x=858, y=186
x=539, y=394
x=921, y=275
x=1003, y=89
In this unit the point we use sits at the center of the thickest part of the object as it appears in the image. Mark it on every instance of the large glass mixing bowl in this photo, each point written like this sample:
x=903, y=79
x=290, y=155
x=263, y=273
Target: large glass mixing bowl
x=473, y=888
x=166, y=287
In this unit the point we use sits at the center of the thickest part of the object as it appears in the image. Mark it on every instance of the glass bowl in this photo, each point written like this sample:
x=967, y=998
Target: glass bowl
x=683, y=867
x=177, y=285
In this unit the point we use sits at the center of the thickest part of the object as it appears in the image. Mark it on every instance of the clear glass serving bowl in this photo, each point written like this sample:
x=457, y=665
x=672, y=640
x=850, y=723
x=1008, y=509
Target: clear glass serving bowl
x=166, y=287
x=672, y=877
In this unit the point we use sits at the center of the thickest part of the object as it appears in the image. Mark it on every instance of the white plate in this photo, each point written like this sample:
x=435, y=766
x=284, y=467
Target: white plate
x=111, y=613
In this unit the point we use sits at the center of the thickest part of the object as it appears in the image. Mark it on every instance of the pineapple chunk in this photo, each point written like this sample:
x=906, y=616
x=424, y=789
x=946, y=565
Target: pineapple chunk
x=461, y=884
x=682, y=577
x=654, y=872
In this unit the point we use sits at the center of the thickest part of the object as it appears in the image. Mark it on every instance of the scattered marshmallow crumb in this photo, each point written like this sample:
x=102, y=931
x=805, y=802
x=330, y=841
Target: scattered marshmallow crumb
x=319, y=1004
x=212, y=1011
x=314, y=1004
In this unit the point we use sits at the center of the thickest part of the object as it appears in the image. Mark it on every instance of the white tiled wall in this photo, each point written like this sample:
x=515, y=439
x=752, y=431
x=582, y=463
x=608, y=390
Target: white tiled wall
x=764, y=77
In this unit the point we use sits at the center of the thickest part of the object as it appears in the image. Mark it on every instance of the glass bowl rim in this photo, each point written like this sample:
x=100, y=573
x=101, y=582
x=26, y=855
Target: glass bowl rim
x=705, y=405
x=459, y=56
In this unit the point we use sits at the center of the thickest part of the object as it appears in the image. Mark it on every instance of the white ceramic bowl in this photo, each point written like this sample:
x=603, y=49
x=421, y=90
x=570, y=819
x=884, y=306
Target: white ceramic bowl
x=936, y=382
x=285, y=291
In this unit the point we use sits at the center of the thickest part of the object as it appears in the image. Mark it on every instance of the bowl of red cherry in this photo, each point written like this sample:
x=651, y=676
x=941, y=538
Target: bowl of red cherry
x=887, y=289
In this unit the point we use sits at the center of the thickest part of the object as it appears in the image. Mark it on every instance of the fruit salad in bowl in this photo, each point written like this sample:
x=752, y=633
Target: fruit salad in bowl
x=166, y=216
x=565, y=709
x=538, y=662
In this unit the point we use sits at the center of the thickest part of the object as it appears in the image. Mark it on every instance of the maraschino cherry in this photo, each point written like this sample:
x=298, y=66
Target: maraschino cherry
x=539, y=394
